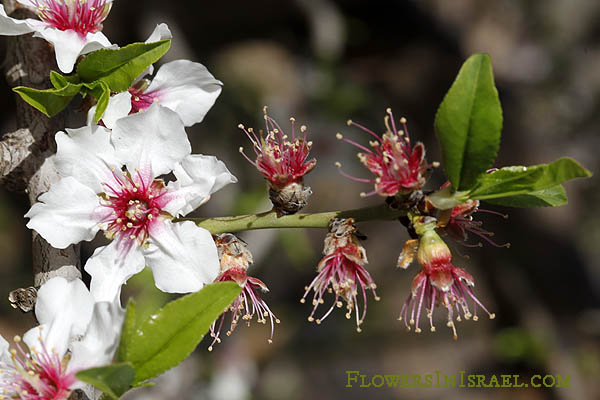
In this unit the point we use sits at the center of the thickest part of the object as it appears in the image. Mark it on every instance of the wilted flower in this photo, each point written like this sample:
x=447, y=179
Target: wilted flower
x=283, y=162
x=110, y=182
x=76, y=332
x=399, y=167
x=439, y=283
x=460, y=223
x=235, y=258
x=72, y=26
x=342, y=272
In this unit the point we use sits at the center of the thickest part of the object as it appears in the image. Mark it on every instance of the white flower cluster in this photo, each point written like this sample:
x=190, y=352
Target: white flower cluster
x=111, y=180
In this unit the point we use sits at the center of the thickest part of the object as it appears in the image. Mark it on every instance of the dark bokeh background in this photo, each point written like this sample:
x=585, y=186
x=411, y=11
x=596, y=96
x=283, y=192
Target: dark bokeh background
x=324, y=62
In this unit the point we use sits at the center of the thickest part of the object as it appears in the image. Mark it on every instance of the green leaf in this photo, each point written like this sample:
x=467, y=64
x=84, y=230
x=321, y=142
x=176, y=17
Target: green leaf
x=48, y=101
x=127, y=331
x=59, y=81
x=551, y=197
x=118, y=68
x=168, y=336
x=517, y=180
x=468, y=123
x=101, y=93
x=446, y=199
x=113, y=380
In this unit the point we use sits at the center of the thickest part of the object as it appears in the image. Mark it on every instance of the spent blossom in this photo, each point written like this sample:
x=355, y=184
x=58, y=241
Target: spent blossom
x=439, y=283
x=110, y=182
x=72, y=26
x=283, y=161
x=235, y=258
x=76, y=332
x=342, y=272
x=398, y=166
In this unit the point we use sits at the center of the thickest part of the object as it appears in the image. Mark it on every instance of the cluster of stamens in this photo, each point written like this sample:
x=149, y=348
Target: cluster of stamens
x=141, y=100
x=281, y=159
x=341, y=272
x=133, y=206
x=447, y=286
x=82, y=16
x=235, y=258
x=34, y=375
x=398, y=166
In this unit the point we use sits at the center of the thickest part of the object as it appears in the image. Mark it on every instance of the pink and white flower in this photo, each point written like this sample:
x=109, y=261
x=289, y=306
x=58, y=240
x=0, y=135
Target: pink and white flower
x=186, y=87
x=110, y=183
x=72, y=26
x=76, y=332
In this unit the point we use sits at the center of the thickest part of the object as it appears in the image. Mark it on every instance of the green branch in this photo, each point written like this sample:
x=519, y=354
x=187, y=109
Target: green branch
x=269, y=220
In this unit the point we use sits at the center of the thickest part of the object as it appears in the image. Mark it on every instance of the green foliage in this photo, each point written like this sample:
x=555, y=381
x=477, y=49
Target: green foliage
x=552, y=197
x=519, y=186
x=127, y=331
x=167, y=337
x=113, y=380
x=100, y=73
x=468, y=123
x=49, y=101
x=118, y=68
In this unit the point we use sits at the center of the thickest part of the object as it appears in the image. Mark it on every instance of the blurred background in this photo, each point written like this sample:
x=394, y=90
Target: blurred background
x=324, y=61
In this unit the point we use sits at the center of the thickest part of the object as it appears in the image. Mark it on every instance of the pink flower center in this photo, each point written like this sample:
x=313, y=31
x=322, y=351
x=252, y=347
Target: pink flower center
x=131, y=205
x=34, y=375
x=142, y=100
x=81, y=16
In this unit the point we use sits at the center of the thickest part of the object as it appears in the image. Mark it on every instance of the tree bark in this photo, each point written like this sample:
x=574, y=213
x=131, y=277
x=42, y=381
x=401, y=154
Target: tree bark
x=26, y=155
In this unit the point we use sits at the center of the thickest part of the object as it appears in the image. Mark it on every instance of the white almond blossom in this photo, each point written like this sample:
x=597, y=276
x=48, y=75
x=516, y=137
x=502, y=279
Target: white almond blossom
x=186, y=87
x=72, y=26
x=76, y=332
x=110, y=183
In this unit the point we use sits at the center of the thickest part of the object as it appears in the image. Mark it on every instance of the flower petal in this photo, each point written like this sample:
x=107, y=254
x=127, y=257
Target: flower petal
x=101, y=339
x=66, y=214
x=154, y=138
x=87, y=155
x=182, y=256
x=198, y=177
x=11, y=26
x=110, y=267
x=68, y=44
x=187, y=88
x=4, y=354
x=161, y=32
x=65, y=308
x=119, y=106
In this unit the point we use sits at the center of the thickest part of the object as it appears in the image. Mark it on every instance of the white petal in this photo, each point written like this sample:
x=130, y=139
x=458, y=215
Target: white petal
x=4, y=354
x=182, y=256
x=198, y=177
x=187, y=88
x=118, y=107
x=65, y=308
x=110, y=267
x=11, y=26
x=87, y=154
x=161, y=32
x=101, y=339
x=68, y=45
x=152, y=139
x=66, y=214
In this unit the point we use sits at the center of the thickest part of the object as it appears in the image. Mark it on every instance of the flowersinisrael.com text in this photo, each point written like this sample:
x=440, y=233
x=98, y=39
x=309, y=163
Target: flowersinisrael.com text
x=462, y=379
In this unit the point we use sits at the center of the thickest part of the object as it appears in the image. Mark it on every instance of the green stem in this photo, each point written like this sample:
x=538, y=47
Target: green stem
x=269, y=220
